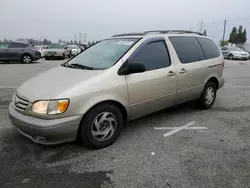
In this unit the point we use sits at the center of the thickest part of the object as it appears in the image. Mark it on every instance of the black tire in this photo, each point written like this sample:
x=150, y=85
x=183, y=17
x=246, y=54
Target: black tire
x=26, y=58
x=86, y=127
x=201, y=102
x=63, y=56
x=230, y=57
x=46, y=58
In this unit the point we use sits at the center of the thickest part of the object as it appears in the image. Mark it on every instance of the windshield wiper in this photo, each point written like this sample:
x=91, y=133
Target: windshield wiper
x=76, y=65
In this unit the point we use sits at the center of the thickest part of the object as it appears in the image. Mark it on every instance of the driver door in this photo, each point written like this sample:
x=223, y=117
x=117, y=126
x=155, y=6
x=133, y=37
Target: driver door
x=154, y=89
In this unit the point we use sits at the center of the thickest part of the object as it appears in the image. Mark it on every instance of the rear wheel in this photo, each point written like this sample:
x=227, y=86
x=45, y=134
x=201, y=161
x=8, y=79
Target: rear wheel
x=207, y=97
x=26, y=59
x=101, y=126
x=46, y=58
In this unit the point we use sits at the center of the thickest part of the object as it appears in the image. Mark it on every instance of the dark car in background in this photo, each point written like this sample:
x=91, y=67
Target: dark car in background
x=17, y=51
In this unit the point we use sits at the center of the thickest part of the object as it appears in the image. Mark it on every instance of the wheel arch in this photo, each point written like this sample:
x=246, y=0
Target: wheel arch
x=114, y=102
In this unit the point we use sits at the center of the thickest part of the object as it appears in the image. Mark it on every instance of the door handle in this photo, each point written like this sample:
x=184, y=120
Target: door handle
x=183, y=71
x=171, y=73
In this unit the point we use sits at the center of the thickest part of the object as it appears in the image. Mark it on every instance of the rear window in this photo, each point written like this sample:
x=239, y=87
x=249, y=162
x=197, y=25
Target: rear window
x=188, y=49
x=209, y=47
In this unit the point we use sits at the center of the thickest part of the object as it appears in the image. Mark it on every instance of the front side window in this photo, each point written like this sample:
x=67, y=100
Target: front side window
x=209, y=47
x=104, y=54
x=187, y=48
x=154, y=56
x=4, y=45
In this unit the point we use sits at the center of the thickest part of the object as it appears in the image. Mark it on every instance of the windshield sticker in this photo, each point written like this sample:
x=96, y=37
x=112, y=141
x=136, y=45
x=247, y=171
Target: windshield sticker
x=125, y=42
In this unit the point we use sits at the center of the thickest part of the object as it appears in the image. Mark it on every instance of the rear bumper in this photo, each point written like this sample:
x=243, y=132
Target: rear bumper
x=44, y=131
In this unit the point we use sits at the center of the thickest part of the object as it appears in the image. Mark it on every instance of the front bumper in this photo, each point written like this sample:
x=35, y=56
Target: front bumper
x=35, y=58
x=240, y=57
x=45, y=131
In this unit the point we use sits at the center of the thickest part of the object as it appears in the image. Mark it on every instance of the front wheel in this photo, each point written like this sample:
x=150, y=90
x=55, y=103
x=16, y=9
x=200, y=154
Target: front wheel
x=63, y=56
x=207, y=97
x=101, y=126
x=26, y=59
x=230, y=57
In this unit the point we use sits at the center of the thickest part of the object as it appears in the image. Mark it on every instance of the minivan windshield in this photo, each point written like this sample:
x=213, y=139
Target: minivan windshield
x=104, y=54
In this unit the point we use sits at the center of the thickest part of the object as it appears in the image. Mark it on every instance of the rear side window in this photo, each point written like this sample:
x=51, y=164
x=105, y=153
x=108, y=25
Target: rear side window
x=188, y=49
x=154, y=56
x=18, y=45
x=209, y=47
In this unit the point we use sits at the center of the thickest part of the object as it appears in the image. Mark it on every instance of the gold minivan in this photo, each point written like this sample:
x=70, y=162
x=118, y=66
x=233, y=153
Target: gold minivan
x=119, y=79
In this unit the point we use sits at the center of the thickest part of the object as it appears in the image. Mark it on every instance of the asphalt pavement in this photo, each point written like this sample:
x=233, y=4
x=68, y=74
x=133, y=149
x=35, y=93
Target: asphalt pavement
x=178, y=147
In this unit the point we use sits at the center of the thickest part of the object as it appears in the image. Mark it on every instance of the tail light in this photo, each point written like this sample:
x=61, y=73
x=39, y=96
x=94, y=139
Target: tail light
x=223, y=63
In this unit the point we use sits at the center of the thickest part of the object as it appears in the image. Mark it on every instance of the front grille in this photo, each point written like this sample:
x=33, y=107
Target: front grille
x=51, y=53
x=20, y=103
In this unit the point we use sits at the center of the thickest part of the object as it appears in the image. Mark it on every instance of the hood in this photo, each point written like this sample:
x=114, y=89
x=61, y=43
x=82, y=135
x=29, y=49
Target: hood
x=52, y=83
x=54, y=50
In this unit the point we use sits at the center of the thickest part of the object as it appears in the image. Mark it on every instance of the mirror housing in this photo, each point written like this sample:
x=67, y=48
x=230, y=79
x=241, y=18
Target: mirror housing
x=131, y=67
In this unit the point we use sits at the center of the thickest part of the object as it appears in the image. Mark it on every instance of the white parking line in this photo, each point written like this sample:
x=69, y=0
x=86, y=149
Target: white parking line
x=177, y=129
x=170, y=128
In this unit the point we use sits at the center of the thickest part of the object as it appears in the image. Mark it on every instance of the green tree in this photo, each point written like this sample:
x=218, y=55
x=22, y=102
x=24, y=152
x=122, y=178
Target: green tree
x=59, y=41
x=75, y=42
x=71, y=42
x=233, y=35
x=223, y=43
x=239, y=38
x=205, y=32
x=89, y=44
x=45, y=42
x=244, y=37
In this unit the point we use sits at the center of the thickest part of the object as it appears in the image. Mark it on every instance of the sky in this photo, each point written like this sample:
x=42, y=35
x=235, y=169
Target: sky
x=62, y=19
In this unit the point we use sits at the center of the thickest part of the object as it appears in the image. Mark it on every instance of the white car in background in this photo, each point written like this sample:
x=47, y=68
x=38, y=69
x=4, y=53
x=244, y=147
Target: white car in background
x=74, y=49
x=234, y=53
x=41, y=49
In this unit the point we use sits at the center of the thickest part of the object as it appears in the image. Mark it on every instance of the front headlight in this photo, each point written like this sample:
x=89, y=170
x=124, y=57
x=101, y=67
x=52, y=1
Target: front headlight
x=50, y=107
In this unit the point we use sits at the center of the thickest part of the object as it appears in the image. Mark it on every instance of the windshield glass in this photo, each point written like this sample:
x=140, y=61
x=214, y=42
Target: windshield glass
x=104, y=54
x=236, y=49
x=37, y=47
x=55, y=46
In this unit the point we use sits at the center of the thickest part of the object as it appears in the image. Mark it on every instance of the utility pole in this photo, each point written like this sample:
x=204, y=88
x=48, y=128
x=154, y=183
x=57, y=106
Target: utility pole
x=225, y=24
x=201, y=26
x=84, y=38
x=74, y=38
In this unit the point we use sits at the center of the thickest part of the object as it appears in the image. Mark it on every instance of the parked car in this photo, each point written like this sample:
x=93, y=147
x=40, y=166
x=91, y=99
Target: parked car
x=16, y=51
x=244, y=47
x=56, y=50
x=41, y=49
x=127, y=76
x=234, y=53
x=75, y=49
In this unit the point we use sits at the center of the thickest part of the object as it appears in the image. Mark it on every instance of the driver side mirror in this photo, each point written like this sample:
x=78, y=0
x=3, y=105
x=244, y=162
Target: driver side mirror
x=131, y=67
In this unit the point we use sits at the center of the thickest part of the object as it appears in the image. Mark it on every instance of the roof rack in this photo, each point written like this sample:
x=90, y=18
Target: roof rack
x=158, y=32
x=172, y=31
x=128, y=34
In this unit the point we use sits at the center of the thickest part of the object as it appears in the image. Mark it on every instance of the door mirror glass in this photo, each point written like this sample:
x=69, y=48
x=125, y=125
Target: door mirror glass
x=131, y=67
